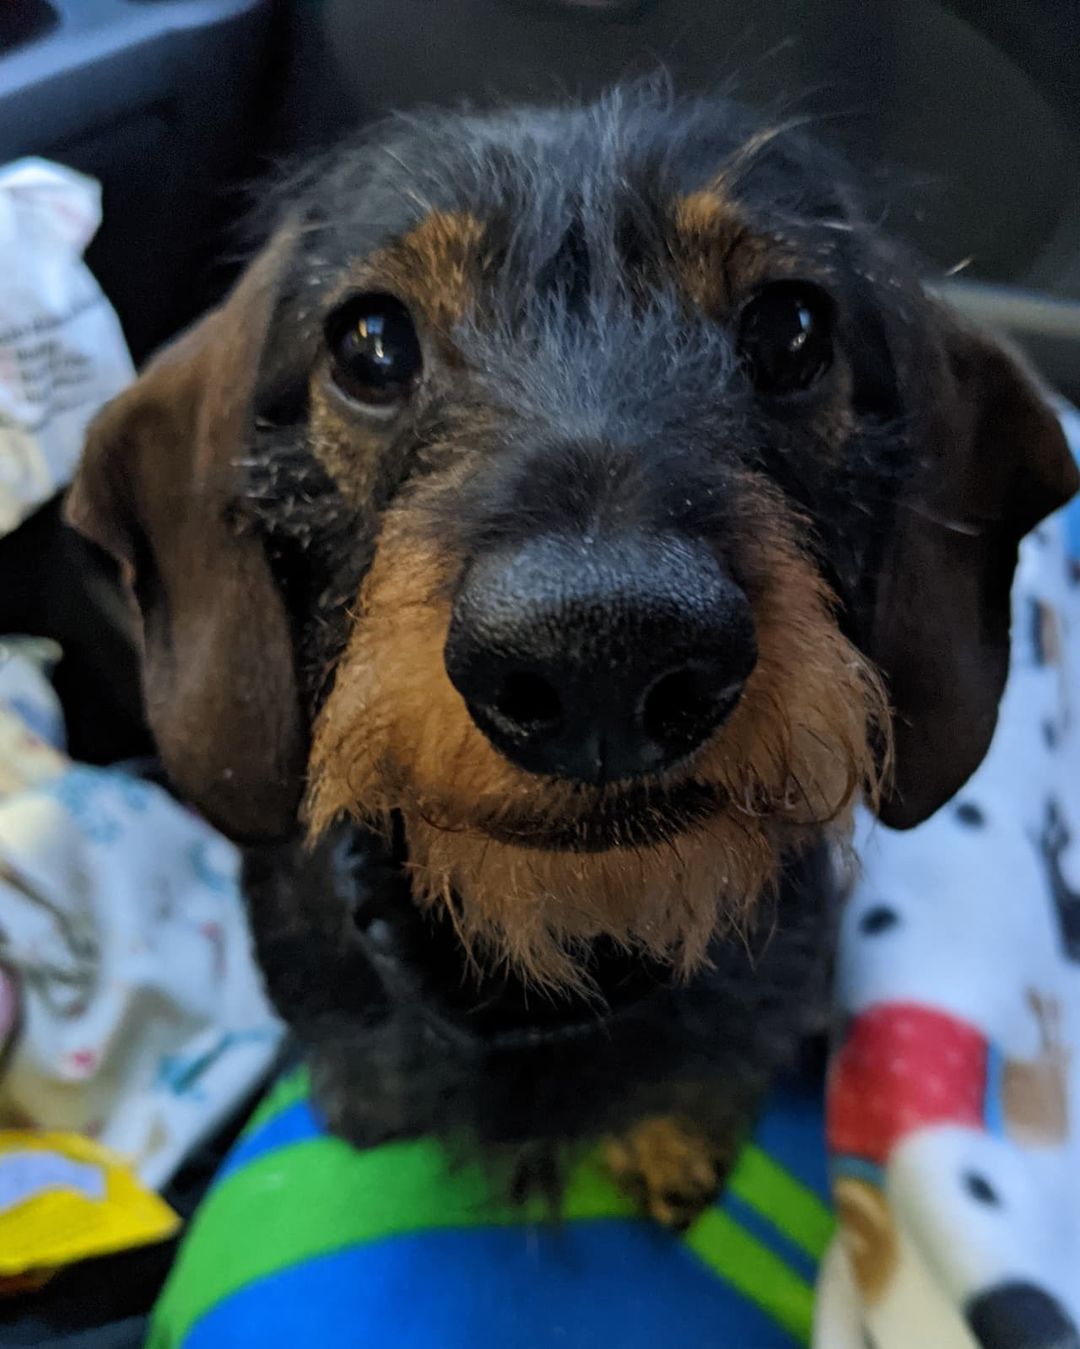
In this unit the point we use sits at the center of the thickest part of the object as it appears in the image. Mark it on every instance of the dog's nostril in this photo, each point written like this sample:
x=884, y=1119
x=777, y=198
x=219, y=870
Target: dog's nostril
x=528, y=702
x=683, y=703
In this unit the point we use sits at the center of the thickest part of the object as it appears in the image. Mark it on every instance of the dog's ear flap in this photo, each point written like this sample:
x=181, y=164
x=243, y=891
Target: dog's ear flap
x=993, y=462
x=157, y=488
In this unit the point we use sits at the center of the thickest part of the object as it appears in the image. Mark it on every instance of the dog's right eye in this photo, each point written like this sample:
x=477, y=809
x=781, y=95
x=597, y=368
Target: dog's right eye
x=786, y=337
x=374, y=350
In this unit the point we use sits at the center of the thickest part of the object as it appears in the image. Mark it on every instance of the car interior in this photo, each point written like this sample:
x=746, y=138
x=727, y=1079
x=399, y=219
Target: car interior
x=966, y=112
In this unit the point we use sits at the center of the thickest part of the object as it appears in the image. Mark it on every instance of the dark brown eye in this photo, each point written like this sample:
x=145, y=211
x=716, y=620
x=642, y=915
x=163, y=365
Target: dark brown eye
x=786, y=336
x=374, y=351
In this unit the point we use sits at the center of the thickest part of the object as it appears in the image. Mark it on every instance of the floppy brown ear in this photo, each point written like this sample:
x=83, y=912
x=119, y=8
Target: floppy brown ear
x=995, y=463
x=156, y=489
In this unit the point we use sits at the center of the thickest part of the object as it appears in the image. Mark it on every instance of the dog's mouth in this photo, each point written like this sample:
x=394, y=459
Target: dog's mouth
x=637, y=815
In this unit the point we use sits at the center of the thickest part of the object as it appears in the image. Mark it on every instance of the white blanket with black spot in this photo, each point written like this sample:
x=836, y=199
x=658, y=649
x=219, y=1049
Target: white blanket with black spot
x=954, y=1095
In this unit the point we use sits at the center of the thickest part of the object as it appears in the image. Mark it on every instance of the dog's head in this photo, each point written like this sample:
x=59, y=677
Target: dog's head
x=595, y=493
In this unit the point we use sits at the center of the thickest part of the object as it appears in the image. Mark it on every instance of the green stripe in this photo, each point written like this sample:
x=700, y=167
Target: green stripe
x=285, y=1092
x=333, y=1197
x=787, y=1203
x=753, y=1270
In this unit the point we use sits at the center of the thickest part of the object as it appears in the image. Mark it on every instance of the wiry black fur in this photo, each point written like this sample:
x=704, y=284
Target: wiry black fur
x=597, y=392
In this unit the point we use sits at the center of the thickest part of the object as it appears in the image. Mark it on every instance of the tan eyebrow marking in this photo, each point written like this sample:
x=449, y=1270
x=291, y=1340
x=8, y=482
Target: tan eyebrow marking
x=718, y=255
x=433, y=266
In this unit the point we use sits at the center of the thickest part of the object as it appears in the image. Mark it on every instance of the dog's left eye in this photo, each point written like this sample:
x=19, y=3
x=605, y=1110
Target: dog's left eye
x=374, y=350
x=786, y=336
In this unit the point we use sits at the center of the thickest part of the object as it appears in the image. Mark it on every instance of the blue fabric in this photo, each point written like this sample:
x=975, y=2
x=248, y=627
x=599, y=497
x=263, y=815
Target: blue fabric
x=297, y=1124
x=589, y=1283
x=792, y=1132
x=601, y=1285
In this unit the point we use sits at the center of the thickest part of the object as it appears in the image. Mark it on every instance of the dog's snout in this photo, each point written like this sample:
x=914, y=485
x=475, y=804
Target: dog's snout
x=599, y=661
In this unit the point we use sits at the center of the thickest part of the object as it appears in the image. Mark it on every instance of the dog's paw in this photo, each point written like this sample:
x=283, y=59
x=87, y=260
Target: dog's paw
x=672, y=1169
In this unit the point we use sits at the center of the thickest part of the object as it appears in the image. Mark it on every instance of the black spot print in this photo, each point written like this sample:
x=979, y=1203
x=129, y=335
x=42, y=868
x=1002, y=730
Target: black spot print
x=1021, y=1316
x=877, y=920
x=1050, y=734
x=967, y=812
x=1035, y=620
x=981, y=1190
x=1053, y=842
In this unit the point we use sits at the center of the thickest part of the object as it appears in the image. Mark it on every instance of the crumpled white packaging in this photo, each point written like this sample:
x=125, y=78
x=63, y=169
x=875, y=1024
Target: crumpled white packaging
x=62, y=350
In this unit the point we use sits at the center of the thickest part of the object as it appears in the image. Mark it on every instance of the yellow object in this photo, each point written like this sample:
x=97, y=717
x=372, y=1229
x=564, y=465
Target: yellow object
x=64, y=1198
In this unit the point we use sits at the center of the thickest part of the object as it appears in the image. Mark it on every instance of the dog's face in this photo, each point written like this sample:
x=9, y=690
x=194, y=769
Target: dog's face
x=594, y=493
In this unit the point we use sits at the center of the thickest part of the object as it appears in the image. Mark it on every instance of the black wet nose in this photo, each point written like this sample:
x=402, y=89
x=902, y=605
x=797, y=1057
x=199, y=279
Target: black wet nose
x=599, y=661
